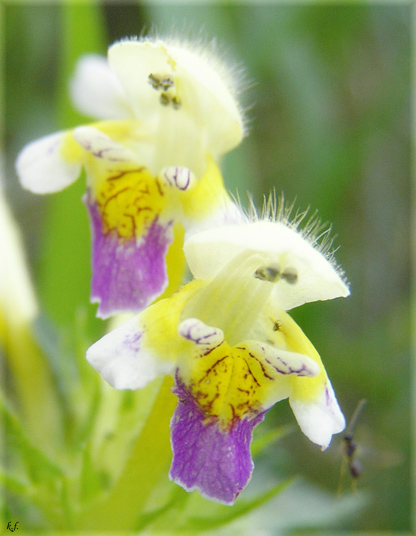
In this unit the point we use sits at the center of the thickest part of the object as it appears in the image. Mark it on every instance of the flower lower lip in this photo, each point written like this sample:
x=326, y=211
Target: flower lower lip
x=216, y=463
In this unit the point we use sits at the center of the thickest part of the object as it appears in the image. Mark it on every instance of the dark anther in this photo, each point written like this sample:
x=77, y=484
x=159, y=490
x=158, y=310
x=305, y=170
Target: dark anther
x=290, y=275
x=176, y=103
x=276, y=325
x=154, y=80
x=268, y=273
x=164, y=99
x=166, y=83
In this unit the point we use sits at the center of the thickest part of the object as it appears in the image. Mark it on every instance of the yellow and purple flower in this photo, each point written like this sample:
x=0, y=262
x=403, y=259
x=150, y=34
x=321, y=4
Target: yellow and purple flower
x=166, y=113
x=232, y=349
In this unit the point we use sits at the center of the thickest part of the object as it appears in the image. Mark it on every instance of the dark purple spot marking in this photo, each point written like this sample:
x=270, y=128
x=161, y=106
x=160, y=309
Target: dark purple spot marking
x=212, y=368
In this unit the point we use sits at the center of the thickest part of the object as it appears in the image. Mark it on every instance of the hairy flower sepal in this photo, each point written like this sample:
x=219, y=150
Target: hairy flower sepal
x=151, y=140
x=233, y=353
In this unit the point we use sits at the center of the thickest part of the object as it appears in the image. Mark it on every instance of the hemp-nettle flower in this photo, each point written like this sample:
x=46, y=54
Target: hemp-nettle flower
x=166, y=115
x=232, y=349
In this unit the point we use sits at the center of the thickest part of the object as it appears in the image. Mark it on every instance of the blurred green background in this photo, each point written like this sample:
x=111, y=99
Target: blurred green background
x=327, y=91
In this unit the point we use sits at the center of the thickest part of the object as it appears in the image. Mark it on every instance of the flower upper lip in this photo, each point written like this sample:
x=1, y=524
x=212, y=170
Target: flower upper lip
x=165, y=85
x=301, y=273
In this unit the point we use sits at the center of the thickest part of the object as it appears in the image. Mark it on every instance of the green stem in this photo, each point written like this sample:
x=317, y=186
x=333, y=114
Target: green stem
x=148, y=460
x=34, y=386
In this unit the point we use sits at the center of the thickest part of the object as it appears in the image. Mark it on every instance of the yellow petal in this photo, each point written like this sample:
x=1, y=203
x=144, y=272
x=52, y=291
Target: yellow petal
x=207, y=203
x=161, y=321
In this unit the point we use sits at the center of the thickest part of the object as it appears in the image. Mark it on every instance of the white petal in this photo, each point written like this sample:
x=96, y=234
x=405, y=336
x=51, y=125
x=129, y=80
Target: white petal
x=102, y=146
x=283, y=250
x=320, y=419
x=121, y=359
x=41, y=167
x=96, y=90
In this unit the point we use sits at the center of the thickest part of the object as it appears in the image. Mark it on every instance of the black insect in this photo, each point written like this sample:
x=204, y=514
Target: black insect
x=350, y=449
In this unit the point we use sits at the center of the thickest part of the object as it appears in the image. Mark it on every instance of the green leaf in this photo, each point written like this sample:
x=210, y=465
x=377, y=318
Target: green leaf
x=92, y=481
x=275, y=434
x=39, y=468
x=31, y=379
x=241, y=508
x=178, y=497
x=15, y=485
x=28, y=506
x=32, y=475
x=144, y=464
